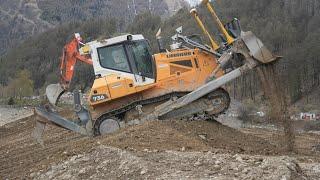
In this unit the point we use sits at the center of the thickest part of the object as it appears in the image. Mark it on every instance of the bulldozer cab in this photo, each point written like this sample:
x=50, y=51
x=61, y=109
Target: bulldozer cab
x=128, y=56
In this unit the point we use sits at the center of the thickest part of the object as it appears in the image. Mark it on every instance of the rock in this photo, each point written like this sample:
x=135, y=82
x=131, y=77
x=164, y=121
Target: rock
x=183, y=149
x=235, y=168
x=285, y=178
x=83, y=170
x=32, y=175
x=49, y=173
x=238, y=158
x=316, y=168
x=294, y=166
x=143, y=171
x=85, y=159
x=198, y=163
x=67, y=176
x=245, y=170
x=73, y=158
x=203, y=136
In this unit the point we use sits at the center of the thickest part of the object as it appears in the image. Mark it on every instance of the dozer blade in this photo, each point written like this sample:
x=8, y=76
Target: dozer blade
x=257, y=48
x=47, y=114
x=53, y=93
x=60, y=121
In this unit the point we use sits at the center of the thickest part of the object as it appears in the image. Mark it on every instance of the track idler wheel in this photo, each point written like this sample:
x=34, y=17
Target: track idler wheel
x=106, y=126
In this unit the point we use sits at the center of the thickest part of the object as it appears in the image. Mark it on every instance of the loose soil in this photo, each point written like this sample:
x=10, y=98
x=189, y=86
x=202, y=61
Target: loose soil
x=21, y=157
x=274, y=90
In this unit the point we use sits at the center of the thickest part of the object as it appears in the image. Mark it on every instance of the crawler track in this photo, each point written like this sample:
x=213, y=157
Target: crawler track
x=220, y=94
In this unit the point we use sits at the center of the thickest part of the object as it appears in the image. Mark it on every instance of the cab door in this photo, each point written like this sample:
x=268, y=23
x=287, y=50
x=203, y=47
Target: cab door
x=141, y=61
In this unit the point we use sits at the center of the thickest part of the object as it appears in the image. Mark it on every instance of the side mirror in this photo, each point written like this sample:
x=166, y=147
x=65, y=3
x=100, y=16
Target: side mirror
x=160, y=41
x=129, y=37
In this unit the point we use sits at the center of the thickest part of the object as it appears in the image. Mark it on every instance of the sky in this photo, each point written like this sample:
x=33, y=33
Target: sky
x=194, y=2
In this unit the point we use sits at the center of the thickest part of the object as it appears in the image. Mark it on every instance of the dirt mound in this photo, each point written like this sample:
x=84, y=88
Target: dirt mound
x=154, y=135
x=188, y=136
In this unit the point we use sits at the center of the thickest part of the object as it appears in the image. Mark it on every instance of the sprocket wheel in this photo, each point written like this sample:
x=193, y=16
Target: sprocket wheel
x=220, y=102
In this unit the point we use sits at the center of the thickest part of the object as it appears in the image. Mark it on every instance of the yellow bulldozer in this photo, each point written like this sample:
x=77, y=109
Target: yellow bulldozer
x=132, y=85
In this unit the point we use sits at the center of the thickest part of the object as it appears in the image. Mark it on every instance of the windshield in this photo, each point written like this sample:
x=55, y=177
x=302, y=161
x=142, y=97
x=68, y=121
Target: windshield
x=143, y=58
x=114, y=57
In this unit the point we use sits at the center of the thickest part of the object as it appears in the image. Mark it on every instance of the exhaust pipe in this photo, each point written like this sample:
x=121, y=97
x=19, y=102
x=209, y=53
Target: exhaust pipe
x=160, y=41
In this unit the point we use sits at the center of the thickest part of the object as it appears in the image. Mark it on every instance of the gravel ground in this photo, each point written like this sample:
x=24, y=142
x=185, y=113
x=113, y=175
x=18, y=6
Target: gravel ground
x=113, y=163
x=158, y=149
x=8, y=115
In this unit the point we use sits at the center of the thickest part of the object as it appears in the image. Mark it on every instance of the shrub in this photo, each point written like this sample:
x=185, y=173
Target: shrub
x=11, y=101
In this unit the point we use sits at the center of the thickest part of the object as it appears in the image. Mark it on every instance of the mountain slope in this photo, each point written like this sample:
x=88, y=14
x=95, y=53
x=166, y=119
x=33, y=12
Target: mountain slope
x=20, y=19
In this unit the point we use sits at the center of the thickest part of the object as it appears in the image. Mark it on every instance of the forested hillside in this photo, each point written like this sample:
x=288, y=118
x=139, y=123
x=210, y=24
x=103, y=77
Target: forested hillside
x=290, y=28
x=20, y=19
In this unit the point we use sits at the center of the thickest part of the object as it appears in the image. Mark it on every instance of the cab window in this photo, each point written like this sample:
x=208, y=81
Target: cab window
x=114, y=57
x=143, y=58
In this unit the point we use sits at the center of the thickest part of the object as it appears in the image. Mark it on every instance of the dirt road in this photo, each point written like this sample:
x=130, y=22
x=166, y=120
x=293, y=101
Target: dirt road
x=163, y=149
